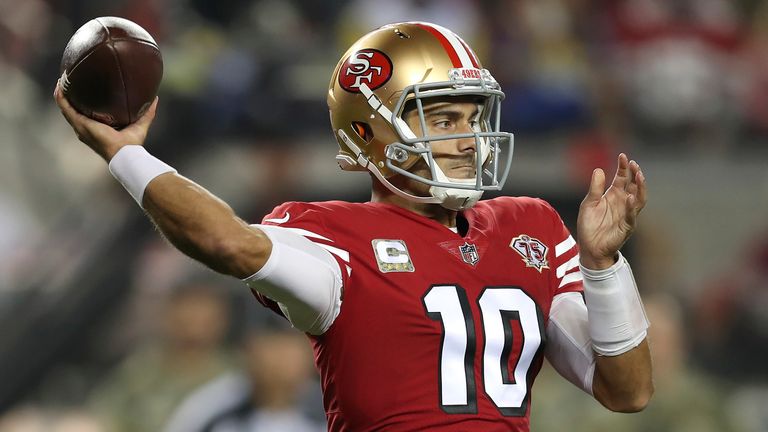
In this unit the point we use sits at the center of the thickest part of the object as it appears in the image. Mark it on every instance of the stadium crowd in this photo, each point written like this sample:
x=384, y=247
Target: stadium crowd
x=682, y=84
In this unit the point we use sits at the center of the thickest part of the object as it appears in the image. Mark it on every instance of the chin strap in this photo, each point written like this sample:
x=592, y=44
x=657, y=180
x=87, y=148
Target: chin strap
x=456, y=199
x=401, y=193
x=451, y=198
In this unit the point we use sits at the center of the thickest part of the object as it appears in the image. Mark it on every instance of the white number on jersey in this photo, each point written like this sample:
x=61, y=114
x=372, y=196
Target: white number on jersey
x=499, y=307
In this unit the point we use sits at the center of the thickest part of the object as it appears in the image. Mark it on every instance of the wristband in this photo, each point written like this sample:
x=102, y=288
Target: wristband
x=617, y=320
x=134, y=168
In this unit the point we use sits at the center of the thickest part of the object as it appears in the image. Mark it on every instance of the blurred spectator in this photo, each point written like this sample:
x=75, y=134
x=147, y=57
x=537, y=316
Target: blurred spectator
x=731, y=322
x=23, y=27
x=685, y=400
x=461, y=16
x=35, y=419
x=244, y=97
x=748, y=404
x=542, y=65
x=590, y=149
x=271, y=394
x=140, y=395
x=755, y=93
x=15, y=231
x=677, y=60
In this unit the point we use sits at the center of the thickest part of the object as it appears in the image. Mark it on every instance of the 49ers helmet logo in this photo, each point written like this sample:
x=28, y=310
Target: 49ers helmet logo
x=367, y=66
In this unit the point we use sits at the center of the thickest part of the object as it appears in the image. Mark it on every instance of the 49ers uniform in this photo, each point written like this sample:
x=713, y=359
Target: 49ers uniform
x=436, y=330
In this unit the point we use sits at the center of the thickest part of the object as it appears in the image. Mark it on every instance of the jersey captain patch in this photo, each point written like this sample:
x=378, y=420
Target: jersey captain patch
x=392, y=256
x=533, y=251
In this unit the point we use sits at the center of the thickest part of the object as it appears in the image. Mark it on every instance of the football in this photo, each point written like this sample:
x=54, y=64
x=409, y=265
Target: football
x=111, y=70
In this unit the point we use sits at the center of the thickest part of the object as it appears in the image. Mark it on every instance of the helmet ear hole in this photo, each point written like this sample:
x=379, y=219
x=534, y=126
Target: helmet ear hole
x=363, y=130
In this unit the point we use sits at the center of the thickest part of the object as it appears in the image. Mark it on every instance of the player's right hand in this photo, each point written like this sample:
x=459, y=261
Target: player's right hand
x=101, y=138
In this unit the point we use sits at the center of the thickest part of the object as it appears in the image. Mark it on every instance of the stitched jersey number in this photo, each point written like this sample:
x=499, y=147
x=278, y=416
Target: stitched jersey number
x=499, y=306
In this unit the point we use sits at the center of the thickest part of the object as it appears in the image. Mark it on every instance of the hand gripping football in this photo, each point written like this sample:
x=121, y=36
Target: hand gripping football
x=111, y=70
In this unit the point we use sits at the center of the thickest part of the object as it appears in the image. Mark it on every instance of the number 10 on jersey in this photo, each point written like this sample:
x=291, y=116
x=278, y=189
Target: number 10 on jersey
x=499, y=307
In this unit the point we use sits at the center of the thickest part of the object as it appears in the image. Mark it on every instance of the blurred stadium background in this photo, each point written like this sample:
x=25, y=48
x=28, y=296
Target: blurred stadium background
x=104, y=327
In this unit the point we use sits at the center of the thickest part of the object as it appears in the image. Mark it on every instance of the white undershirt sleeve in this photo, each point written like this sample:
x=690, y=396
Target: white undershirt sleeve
x=302, y=278
x=569, y=347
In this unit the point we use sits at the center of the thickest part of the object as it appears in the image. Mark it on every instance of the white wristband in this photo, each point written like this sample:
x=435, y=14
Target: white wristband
x=617, y=320
x=134, y=168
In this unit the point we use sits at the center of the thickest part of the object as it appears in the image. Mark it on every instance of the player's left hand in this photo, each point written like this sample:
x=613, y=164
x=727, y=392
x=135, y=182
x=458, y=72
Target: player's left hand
x=607, y=218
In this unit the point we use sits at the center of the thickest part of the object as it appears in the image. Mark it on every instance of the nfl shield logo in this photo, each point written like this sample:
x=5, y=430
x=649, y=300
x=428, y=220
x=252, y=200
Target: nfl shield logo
x=469, y=253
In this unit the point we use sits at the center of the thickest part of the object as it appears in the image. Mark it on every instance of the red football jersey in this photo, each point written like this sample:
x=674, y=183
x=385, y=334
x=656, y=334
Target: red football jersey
x=436, y=331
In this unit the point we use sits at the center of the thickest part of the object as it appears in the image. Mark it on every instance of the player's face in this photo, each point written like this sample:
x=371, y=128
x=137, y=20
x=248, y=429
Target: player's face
x=455, y=157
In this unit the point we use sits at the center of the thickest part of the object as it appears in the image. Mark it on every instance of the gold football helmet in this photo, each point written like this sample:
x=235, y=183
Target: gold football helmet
x=401, y=65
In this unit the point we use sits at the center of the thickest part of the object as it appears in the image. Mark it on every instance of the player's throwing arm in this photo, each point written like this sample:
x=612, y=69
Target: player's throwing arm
x=195, y=221
x=111, y=70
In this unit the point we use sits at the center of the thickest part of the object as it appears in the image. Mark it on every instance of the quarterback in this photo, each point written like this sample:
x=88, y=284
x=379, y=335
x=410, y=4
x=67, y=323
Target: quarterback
x=427, y=308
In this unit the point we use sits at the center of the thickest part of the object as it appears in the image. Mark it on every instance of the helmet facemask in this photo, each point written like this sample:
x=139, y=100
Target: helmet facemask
x=493, y=156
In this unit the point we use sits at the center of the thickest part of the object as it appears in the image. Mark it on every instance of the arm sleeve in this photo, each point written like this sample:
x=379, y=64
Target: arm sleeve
x=302, y=278
x=617, y=320
x=569, y=347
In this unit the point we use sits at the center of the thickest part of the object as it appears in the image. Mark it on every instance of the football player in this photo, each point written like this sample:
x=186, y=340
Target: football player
x=427, y=308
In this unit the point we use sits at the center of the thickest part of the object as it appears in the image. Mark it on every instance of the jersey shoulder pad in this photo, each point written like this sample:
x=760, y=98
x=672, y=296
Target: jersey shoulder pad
x=519, y=202
x=521, y=209
x=293, y=211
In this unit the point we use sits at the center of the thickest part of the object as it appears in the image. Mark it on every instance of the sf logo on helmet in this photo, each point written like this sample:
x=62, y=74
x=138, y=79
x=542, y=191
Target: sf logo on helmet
x=368, y=66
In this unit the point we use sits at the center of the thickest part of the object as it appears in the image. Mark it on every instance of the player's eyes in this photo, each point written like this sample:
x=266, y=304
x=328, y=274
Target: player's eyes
x=443, y=124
